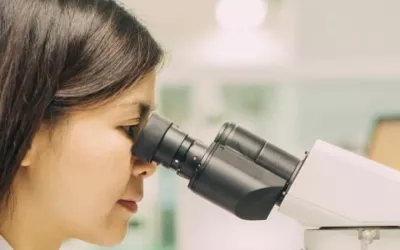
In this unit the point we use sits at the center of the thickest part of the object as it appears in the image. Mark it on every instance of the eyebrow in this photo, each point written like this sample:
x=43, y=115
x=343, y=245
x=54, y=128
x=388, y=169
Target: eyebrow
x=144, y=108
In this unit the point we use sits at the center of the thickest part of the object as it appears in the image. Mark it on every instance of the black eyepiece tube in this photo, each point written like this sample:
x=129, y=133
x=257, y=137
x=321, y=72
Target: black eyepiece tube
x=263, y=153
x=238, y=172
x=162, y=142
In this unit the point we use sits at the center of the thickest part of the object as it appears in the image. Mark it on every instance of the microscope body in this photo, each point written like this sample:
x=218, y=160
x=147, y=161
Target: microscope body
x=343, y=200
x=338, y=188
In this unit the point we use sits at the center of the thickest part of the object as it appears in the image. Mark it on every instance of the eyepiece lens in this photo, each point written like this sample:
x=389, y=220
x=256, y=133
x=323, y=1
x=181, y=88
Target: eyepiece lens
x=150, y=137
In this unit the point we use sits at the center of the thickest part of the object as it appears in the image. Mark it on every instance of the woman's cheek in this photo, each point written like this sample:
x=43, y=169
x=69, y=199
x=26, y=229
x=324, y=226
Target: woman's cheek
x=103, y=162
x=116, y=156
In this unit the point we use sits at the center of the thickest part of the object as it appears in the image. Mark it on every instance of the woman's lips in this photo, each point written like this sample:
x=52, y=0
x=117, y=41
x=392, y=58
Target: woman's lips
x=131, y=206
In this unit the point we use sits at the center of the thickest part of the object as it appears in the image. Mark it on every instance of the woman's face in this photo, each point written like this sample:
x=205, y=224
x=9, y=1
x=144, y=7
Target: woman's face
x=76, y=177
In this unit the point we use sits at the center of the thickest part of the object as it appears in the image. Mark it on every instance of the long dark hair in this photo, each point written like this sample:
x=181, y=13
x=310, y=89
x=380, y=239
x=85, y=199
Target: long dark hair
x=56, y=55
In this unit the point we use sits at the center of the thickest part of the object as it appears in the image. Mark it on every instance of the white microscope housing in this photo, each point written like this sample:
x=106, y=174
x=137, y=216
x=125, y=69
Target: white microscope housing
x=336, y=194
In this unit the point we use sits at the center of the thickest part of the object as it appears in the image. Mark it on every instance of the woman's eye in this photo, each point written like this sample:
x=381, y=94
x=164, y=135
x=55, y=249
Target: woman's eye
x=130, y=130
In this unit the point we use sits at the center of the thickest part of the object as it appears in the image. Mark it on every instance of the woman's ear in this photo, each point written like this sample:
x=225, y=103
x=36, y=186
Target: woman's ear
x=30, y=155
x=33, y=151
x=28, y=158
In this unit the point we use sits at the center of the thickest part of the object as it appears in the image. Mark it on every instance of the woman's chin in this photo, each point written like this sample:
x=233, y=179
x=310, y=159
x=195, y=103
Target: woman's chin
x=109, y=237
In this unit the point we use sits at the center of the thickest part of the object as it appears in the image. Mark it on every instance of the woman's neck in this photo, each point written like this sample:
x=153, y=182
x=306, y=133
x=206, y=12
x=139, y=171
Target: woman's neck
x=30, y=229
x=34, y=237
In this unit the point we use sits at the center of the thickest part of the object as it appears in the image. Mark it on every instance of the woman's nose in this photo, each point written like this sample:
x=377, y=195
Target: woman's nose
x=143, y=169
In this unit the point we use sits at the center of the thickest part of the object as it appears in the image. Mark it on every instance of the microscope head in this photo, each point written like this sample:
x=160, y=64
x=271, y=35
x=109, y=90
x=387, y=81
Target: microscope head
x=239, y=171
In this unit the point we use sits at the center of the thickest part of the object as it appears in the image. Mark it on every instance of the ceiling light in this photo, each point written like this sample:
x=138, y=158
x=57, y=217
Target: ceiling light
x=241, y=14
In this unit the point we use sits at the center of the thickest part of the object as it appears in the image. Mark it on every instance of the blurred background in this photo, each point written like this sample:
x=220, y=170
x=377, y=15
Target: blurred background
x=290, y=71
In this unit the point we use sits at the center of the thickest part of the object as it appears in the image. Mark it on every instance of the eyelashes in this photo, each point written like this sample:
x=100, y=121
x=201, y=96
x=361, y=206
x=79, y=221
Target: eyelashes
x=130, y=130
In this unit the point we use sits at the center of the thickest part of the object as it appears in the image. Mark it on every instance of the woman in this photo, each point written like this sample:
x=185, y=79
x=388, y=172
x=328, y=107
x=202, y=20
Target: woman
x=77, y=80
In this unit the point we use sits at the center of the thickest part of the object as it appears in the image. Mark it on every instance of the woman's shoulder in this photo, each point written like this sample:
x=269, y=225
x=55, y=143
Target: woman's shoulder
x=4, y=244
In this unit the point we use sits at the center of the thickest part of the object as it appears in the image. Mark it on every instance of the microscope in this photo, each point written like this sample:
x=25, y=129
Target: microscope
x=343, y=200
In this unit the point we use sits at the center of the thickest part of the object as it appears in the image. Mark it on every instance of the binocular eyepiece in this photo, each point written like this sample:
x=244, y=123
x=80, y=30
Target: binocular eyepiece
x=238, y=171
